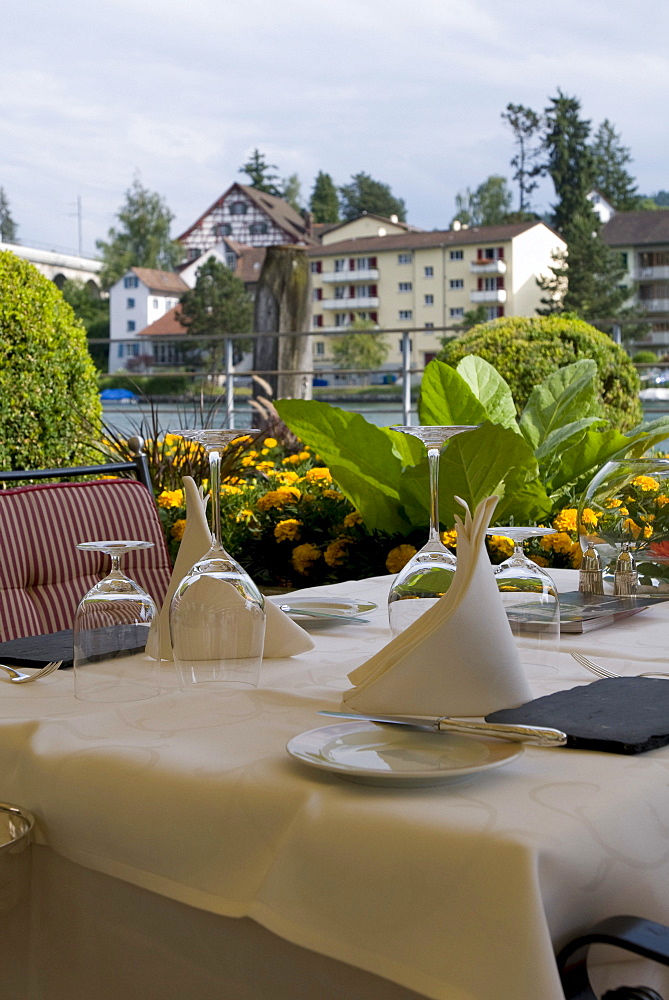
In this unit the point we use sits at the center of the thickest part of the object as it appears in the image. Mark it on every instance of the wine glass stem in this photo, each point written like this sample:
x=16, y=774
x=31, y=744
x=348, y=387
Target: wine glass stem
x=433, y=463
x=215, y=489
x=115, y=564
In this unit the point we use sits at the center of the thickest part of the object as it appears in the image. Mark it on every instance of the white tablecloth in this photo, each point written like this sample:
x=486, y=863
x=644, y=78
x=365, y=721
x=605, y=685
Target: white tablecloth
x=457, y=892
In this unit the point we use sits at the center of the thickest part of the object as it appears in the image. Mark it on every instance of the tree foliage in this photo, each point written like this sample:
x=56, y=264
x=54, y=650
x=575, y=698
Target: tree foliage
x=142, y=239
x=93, y=311
x=488, y=205
x=8, y=228
x=291, y=191
x=526, y=126
x=48, y=387
x=259, y=173
x=612, y=177
x=218, y=304
x=360, y=348
x=570, y=162
x=364, y=194
x=324, y=202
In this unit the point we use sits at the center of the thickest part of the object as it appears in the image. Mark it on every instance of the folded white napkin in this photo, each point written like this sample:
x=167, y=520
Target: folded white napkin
x=283, y=637
x=459, y=658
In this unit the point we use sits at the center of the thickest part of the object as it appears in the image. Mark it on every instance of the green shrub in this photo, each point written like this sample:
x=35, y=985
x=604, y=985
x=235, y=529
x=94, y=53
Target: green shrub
x=644, y=358
x=48, y=388
x=525, y=350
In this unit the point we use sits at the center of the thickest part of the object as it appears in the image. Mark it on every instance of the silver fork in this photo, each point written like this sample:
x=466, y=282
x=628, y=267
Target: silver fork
x=18, y=678
x=600, y=671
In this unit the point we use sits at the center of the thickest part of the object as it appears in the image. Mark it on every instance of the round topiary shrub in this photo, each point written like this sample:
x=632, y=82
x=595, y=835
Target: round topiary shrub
x=644, y=358
x=48, y=389
x=526, y=349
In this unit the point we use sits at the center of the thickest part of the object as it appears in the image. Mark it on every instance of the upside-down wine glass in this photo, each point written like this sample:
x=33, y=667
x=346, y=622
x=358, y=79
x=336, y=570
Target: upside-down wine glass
x=428, y=575
x=217, y=614
x=111, y=628
x=530, y=599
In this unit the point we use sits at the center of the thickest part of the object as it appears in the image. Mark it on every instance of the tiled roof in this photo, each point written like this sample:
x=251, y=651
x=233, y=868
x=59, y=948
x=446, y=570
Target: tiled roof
x=249, y=261
x=279, y=211
x=630, y=228
x=160, y=281
x=421, y=240
x=167, y=324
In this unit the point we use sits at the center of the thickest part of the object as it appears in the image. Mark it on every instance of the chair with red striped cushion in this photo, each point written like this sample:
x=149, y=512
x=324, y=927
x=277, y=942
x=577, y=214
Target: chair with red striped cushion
x=43, y=576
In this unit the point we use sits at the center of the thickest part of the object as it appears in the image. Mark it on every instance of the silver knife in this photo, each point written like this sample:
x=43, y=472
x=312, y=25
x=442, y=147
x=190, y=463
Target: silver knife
x=538, y=735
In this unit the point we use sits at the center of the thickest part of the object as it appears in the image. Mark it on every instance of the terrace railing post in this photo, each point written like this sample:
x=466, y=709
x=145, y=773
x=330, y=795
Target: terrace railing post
x=229, y=383
x=406, y=378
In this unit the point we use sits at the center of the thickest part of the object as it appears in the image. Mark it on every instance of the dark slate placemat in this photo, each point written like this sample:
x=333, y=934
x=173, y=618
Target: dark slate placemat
x=618, y=715
x=38, y=650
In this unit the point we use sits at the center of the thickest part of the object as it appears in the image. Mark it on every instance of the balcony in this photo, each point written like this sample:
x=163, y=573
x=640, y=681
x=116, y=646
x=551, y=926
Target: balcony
x=492, y=295
x=488, y=267
x=343, y=305
x=349, y=277
x=655, y=305
x=652, y=273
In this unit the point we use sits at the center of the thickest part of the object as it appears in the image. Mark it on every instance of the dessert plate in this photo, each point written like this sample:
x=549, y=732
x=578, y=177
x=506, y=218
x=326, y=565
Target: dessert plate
x=391, y=755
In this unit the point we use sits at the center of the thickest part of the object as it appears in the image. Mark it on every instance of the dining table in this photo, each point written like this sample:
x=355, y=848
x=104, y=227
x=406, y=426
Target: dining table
x=181, y=852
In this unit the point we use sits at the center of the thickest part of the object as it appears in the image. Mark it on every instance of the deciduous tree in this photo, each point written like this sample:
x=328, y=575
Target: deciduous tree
x=364, y=194
x=142, y=239
x=291, y=191
x=488, y=205
x=218, y=304
x=526, y=126
x=361, y=348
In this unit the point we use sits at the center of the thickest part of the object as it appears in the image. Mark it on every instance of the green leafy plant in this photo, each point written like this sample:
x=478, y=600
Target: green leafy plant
x=48, y=387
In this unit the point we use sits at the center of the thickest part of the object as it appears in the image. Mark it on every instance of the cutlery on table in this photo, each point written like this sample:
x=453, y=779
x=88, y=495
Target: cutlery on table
x=321, y=614
x=538, y=735
x=600, y=671
x=18, y=678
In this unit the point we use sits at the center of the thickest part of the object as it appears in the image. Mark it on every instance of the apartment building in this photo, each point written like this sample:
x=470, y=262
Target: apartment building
x=142, y=296
x=642, y=238
x=426, y=281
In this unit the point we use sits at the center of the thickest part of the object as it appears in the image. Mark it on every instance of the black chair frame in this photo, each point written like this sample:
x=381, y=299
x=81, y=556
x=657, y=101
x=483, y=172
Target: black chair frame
x=138, y=465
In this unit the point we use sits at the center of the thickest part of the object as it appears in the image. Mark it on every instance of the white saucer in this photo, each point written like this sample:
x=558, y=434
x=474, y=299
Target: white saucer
x=396, y=756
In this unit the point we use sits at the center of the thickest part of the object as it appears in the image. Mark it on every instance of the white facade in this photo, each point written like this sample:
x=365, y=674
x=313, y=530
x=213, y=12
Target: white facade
x=138, y=299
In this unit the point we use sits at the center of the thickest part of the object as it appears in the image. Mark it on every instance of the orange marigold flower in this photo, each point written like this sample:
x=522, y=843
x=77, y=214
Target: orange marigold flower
x=178, y=528
x=501, y=544
x=539, y=560
x=646, y=483
x=270, y=442
x=450, y=538
x=171, y=498
x=566, y=520
x=288, y=530
x=318, y=476
x=332, y=495
x=304, y=557
x=337, y=551
x=352, y=519
x=399, y=557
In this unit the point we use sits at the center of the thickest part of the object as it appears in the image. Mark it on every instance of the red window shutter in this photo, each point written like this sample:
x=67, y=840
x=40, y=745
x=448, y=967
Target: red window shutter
x=500, y=311
x=374, y=317
x=319, y=266
x=500, y=253
x=319, y=293
x=373, y=291
x=319, y=320
x=479, y=253
x=372, y=262
x=351, y=264
x=351, y=291
x=500, y=282
x=480, y=281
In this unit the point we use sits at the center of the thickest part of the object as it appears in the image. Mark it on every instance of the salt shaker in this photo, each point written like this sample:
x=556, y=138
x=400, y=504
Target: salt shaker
x=591, y=579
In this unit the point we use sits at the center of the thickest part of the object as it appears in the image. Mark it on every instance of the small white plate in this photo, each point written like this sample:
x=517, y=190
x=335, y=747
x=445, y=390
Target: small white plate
x=397, y=756
x=329, y=612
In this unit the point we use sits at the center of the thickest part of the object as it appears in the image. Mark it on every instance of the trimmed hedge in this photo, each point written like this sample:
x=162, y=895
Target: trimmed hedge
x=525, y=350
x=49, y=398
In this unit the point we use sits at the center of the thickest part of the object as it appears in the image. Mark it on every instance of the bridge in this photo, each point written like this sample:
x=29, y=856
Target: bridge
x=59, y=267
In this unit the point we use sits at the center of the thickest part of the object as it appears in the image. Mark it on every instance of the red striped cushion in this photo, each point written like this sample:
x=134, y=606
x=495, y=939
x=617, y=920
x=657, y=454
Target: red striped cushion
x=43, y=576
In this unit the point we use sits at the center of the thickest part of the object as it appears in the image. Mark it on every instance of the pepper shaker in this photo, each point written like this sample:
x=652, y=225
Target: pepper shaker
x=591, y=578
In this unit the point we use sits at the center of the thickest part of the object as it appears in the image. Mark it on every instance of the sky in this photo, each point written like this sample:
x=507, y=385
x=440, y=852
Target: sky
x=96, y=92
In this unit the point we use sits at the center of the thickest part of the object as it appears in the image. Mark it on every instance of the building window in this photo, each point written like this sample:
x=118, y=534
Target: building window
x=429, y=326
x=623, y=258
x=318, y=320
x=238, y=208
x=404, y=258
x=130, y=326
x=340, y=264
x=457, y=254
x=316, y=266
x=365, y=263
x=428, y=272
x=319, y=348
x=490, y=253
x=455, y=313
x=341, y=319
x=456, y=283
x=120, y=350
x=193, y=253
x=340, y=291
x=231, y=260
x=258, y=228
x=130, y=303
x=429, y=300
x=317, y=294
x=223, y=229
x=131, y=281
x=406, y=314
x=404, y=286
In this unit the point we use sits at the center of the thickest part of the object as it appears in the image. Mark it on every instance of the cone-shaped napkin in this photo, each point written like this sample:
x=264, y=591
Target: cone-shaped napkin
x=459, y=658
x=283, y=637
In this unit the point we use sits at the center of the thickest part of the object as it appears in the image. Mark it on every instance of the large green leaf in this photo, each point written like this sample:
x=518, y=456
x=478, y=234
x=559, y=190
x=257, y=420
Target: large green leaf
x=446, y=398
x=649, y=435
x=586, y=455
x=490, y=389
x=567, y=395
x=473, y=466
x=563, y=437
x=366, y=461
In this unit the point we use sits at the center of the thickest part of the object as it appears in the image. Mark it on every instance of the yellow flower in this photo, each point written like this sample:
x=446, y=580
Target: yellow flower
x=248, y=460
x=661, y=500
x=171, y=498
x=178, y=529
x=632, y=527
x=539, y=560
x=264, y=466
x=399, y=557
x=560, y=542
x=287, y=476
x=589, y=518
x=301, y=456
x=278, y=498
x=576, y=556
x=270, y=442
x=244, y=515
x=501, y=544
x=566, y=520
x=318, y=476
x=230, y=490
x=336, y=552
x=646, y=483
x=332, y=494
x=304, y=557
x=288, y=530
x=352, y=519
x=449, y=538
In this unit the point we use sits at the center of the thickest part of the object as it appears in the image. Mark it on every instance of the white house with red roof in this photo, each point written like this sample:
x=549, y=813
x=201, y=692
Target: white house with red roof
x=142, y=296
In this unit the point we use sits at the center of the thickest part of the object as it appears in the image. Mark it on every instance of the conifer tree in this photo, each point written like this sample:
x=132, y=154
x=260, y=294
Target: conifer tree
x=7, y=224
x=324, y=202
x=259, y=173
x=612, y=179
